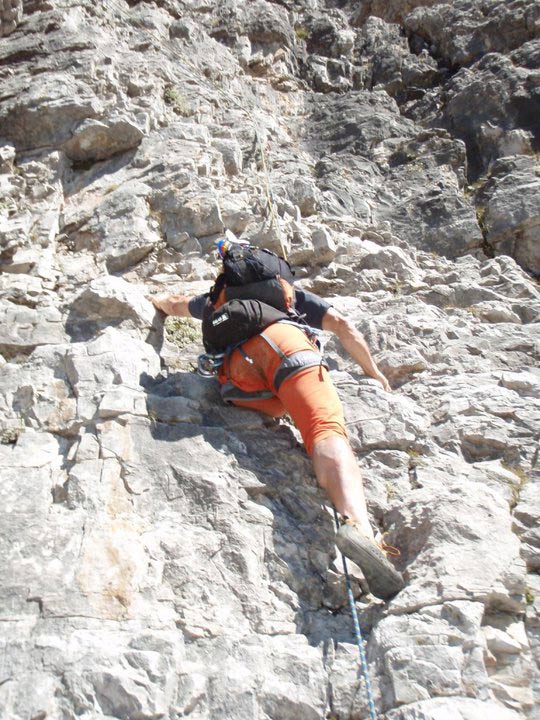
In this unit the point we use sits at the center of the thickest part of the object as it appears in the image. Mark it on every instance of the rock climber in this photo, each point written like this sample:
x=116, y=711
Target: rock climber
x=311, y=400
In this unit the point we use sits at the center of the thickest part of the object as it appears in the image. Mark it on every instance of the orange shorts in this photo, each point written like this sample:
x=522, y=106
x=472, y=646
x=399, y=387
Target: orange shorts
x=308, y=396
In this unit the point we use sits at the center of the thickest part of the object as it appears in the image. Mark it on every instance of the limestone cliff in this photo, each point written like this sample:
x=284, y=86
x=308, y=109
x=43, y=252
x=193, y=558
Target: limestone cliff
x=164, y=556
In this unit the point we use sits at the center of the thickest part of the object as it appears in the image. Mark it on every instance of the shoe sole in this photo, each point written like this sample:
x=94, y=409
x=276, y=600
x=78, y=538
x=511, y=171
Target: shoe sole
x=383, y=579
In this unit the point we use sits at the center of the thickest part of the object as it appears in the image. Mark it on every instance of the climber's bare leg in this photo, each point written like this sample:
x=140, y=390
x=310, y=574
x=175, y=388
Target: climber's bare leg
x=338, y=473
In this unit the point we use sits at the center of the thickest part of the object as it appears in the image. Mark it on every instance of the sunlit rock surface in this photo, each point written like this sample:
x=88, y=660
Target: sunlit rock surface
x=165, y=556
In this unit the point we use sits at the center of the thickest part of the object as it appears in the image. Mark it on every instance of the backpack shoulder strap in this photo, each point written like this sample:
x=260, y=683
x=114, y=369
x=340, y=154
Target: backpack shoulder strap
x=217, y=288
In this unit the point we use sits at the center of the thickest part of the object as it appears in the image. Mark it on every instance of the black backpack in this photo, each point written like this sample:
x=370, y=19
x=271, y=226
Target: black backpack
x=236, y=321
x=245, y=264
x=251, y=273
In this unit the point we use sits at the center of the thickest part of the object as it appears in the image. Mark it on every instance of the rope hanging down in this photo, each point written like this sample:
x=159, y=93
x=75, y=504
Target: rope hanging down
x=270, y=197
x=190, y=70
x=359, y=639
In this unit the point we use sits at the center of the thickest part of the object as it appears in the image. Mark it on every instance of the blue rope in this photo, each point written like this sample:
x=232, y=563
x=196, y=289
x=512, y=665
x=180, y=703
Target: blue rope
x=359, y=639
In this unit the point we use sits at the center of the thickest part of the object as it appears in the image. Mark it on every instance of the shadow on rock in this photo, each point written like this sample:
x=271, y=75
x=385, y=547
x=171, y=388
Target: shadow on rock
x=112, y=302
x=242, y=475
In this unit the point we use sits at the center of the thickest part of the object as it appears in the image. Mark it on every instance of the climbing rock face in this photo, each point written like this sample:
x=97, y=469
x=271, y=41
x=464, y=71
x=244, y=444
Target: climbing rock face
x=512, y=210
x=10, y=15
x=165, y=555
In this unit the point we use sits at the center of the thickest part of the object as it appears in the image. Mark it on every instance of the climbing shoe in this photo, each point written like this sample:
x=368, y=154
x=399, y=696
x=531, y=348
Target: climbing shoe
x=383, y=579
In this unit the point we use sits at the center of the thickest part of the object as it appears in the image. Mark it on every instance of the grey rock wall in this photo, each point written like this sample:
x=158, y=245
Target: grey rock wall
x=164, y=556
x=10, y=15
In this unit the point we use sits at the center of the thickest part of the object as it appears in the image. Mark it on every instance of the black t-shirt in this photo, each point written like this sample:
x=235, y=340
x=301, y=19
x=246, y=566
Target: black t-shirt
x=306, y=303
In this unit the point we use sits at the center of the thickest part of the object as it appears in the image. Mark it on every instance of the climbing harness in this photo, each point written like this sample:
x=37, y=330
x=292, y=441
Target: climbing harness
x=290, y=365
x=368, y=691
x=209, y=363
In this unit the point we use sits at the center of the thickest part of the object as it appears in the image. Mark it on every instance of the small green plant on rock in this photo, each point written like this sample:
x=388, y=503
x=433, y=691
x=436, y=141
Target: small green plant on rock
x=481, y=212
x=414, y=455
x=182, y=331
x=301, y=32
x=529, y=597
x=473, y=310
x=522, y=480
x=8, y=207
x=9, y=436
x=177, y=101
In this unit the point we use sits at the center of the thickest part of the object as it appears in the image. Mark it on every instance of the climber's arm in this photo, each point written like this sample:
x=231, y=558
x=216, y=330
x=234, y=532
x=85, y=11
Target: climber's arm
x=173, y=304
x=354, y=343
